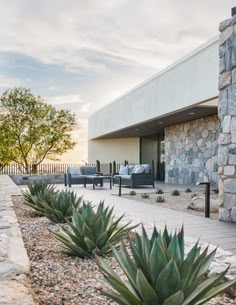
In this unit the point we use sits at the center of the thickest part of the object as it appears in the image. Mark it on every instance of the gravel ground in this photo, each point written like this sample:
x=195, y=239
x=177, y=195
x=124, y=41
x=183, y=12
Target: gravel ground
x=178, y=203
x=58, y=279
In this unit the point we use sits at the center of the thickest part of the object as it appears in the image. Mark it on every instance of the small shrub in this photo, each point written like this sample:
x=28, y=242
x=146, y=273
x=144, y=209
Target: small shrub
x=188, y=190
x=175, y=193
x=194, y=195
x=132, y=193
x=92, y=233
x=159, y=191
x=145, y=195
x=158, y=272
x=56, y=206
x=160, y=199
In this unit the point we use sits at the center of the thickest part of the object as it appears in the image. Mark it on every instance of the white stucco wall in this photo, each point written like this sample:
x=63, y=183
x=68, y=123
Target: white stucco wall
x=109, y=150
x=189, y=81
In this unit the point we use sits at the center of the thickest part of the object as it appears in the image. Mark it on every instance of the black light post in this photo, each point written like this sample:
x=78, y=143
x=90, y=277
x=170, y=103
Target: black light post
x=207, y=198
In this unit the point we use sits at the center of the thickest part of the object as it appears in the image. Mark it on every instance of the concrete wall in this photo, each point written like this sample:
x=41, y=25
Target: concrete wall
x=108, y=150
x=26, y=179
x=191, y=80
x=191, y=152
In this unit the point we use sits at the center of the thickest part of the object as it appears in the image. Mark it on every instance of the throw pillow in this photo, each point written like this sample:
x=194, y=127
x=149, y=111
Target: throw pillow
x=124, y=170
x=139, y=170
x=147, y=168
x=74, y=170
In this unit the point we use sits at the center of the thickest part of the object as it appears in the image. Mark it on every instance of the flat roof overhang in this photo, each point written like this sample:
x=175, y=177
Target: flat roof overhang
x=158, y=125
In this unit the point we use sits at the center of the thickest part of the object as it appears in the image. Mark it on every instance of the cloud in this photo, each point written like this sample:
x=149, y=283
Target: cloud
x=85, y=35
x=65, y=99
x=9, y=82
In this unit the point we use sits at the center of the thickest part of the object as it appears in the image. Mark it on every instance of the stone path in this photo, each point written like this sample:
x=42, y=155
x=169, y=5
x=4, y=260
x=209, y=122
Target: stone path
x=14, y=263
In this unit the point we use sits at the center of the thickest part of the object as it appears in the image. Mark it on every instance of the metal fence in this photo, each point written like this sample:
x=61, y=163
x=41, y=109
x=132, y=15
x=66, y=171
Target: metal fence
x=58, y=168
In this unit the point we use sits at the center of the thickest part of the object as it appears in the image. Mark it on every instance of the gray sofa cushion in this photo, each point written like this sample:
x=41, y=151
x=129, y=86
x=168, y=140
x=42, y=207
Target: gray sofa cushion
x=88, y=170
x=138, y=170
x=74, y=171
x=124, y=170
x=147, y=168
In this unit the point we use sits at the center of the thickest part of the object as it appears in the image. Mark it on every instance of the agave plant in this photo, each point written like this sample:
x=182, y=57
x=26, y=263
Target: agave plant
x=38, y=189
x=159, y=274
x=58, y=206
x=92, y=232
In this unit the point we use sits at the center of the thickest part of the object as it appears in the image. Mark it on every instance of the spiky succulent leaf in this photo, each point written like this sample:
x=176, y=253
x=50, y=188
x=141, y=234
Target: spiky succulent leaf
x=163, y=276
x=94, y=232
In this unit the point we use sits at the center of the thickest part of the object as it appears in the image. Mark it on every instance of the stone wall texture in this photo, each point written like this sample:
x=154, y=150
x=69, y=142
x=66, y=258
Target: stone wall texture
x=191, y=152
x=227, y=116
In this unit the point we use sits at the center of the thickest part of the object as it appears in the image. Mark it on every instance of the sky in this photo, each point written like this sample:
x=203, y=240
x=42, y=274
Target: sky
x=81, y=55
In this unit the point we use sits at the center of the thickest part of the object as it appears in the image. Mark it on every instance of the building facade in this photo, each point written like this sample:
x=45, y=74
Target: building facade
x=181, y=120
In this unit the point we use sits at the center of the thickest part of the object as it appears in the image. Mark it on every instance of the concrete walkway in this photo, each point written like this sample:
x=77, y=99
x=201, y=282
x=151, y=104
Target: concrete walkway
x=208, y=230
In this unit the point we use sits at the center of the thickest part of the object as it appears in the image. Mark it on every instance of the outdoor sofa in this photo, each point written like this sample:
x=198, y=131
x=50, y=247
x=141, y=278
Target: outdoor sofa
x=76, y=175
x=135, y=175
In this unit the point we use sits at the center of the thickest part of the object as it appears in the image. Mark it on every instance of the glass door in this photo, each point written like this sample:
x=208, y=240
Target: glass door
x=152, y=148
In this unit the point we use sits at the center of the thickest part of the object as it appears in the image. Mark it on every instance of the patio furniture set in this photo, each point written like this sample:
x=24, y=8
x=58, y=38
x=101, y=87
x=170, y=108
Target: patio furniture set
x=129, y=175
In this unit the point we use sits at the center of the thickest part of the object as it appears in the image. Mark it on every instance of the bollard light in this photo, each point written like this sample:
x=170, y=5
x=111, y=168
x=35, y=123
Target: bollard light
x=207, y=198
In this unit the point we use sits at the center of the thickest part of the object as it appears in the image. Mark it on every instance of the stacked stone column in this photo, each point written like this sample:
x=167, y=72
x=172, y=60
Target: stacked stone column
x=227, y=117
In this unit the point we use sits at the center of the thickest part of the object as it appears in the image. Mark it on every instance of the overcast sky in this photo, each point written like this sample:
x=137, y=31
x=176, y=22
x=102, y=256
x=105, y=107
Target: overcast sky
x=81, y=55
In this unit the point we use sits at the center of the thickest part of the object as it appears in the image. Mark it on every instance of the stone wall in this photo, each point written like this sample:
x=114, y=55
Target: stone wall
x=191, y=152
x=25, y=179
x=227, y=116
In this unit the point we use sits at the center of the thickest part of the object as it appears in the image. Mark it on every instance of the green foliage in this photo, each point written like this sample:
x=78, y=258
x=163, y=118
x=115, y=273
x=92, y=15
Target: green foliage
x=175, y=193
x=194, y=195
x=160, y=199
x=159, y=191
x=188, y=190
x=56, y=206
x=35, y=189
x=158, y=273
x=31, y=130
x=132, y=193
x=92, y=232
x=145, y=195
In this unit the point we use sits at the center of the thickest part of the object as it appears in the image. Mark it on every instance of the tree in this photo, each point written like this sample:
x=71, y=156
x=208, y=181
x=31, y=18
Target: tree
x=31, y=130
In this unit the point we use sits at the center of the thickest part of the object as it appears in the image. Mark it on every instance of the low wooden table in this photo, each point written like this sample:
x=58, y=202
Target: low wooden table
x=97, y=180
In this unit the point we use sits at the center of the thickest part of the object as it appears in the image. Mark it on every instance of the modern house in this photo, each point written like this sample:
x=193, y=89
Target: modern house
x=170, y=118
x=183, y=118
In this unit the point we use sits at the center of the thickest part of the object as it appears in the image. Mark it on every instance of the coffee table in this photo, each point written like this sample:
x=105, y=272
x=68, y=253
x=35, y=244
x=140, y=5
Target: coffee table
x=95, y=179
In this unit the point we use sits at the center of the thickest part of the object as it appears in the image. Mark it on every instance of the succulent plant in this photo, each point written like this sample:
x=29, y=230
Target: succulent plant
x=158, y=273
x=175, y=193
x=56, y=206
x=160, y=199
x=92, y=232
x=188, y=190
x=159, y=191
x=145, y=195
x=132, y=193
x=35, y=188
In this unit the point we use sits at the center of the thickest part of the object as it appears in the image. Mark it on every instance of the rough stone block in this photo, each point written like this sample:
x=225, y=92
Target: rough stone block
x=224, y=139
x=223, y=102
x=233, y=214
x=229, y=170
x=233, y=129
x=230, y=185
x=232, y=159
x=226, y=23
x=232, y=100
x=224, y=215
x=222, y=65
x=225, y=34
x=222, y=155
x=234, y=76
x=229, y=201
x=225, y=80
x=205, y=133
x=226, y=124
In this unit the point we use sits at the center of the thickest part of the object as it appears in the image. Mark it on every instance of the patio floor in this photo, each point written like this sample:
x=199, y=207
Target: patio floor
x=208, y=230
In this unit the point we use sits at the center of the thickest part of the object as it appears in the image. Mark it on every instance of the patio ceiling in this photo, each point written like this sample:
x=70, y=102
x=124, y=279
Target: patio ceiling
x=157, y=125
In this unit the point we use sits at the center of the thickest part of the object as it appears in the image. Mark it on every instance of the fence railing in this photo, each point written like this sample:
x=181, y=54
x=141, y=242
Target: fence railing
x=58, y=168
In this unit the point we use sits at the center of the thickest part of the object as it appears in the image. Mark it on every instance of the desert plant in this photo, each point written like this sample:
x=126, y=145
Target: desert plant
x=159, y=191
x=194, y=195
x=175, y=193
x=92, y=232
x=188, y=190
x=36, y=189
x=160, y=199
x=132, y=193
x=56, y=206
x=158, y=272
x=145, y=195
